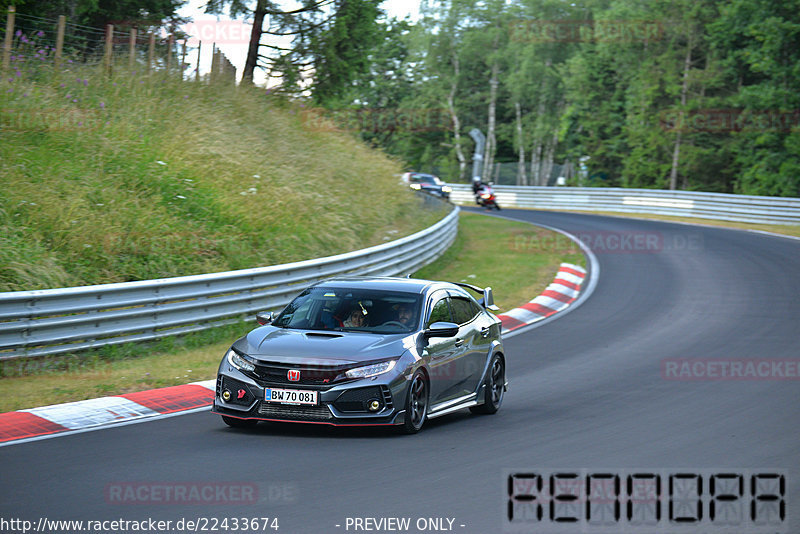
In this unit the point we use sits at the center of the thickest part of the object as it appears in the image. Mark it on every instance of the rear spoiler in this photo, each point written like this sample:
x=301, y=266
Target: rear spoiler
x=487, y=301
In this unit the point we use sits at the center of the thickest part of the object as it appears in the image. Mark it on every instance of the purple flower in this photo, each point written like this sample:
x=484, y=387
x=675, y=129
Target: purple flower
x=69, y=61
x=74, y=99
x=185, y=96
x=40, y=33
x=61, y=85
x=19, y=33
x=85, y=83
x=24, y=95
x=10, y=90
x=102, y=105
x=69, y=95
x=23, y=39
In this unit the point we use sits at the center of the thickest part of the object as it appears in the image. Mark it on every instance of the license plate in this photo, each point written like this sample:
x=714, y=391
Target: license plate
x=291, y=396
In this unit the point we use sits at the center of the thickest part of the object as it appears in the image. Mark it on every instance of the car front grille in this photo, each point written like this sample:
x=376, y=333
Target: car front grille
x=316, y=376
x=295, y=413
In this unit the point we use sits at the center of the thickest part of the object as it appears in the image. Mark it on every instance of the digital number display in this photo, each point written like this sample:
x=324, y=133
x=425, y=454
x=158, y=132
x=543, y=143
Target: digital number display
x=645, y=500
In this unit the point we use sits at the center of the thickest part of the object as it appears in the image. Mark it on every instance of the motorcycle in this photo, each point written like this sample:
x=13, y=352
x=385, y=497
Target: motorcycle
x=485, y=198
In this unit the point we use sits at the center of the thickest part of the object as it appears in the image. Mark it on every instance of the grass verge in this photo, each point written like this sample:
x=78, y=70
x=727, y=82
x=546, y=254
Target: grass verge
x=497, y=252
x=487, y=251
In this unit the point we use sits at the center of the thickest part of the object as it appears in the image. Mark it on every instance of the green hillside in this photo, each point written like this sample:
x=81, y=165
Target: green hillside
x=131, y=177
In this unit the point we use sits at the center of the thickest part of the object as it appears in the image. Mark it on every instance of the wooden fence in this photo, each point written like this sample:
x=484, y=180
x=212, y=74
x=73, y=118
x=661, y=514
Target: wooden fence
x=61, y=42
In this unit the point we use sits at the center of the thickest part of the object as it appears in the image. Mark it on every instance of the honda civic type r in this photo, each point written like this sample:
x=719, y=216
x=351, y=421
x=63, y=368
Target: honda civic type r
x=367, y=351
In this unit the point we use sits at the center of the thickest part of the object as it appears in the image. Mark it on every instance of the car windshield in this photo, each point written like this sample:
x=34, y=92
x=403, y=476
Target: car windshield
x=352, y=310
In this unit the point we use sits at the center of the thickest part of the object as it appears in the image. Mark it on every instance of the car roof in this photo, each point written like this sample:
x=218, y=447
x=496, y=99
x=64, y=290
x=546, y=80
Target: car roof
x=384, y=283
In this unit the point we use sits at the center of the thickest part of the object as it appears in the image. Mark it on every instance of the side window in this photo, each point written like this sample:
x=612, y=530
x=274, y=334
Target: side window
x=439, y=312
x=464, y=310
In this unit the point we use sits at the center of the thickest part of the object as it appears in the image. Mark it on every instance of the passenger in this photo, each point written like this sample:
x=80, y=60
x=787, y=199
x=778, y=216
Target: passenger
x=357, y=318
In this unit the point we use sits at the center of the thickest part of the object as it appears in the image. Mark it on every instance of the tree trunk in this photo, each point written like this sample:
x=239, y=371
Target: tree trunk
x=547, y=164
x=255, y=39
x=536, y=162
x=490, y=136
x=522, y=178
x=676, y=152
x=462, y=161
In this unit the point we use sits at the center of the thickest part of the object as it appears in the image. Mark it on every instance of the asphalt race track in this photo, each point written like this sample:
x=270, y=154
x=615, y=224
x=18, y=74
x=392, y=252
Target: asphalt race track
x=589, y=392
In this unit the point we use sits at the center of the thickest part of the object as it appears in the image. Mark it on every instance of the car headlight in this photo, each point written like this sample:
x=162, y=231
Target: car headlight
x=447, y=189
x=371, y=370
x=239, y=361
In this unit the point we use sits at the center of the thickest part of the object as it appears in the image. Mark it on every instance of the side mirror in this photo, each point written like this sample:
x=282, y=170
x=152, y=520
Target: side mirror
x=442, y=329
x=488, y=299
x=263, y=318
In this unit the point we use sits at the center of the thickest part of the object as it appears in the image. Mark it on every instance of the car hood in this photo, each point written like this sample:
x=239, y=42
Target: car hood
x=284, y=345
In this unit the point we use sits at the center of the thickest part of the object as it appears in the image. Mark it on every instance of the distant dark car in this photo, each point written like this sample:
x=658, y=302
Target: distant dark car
x=427, y=183
x=367, y=351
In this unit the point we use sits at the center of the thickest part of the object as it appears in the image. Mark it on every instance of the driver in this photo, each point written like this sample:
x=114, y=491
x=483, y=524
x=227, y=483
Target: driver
x=405, y=314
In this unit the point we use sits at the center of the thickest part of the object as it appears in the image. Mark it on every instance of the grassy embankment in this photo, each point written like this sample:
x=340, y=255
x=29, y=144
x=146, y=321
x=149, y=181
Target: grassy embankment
x=136, y=177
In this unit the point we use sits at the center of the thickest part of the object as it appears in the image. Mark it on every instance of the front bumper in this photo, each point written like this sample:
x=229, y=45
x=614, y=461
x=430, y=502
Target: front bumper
x=338, y=405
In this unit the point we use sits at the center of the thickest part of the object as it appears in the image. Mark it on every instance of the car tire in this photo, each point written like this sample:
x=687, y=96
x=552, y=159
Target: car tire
x=416, y=404
x=494, y=391
x=233, y=422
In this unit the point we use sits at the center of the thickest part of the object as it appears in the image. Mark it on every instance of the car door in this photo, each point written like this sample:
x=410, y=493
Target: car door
x=442, y=352
x=474, y=335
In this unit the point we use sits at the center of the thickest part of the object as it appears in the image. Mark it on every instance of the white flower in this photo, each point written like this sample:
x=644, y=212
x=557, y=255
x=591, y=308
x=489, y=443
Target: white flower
x=256, y=176
x=160, y=162
x=180, y=196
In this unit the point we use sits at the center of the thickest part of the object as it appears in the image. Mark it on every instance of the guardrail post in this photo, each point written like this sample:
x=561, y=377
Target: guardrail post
x=170, y=42
x=108, y=48
x=151, y=53
x=132, y=50
x=183, y=59
x=197, y=70
x=9, y=37
x=62, y=23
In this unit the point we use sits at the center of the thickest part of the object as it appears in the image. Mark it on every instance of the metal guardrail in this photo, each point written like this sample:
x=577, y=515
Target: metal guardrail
x=51, y=321
x=740, y=208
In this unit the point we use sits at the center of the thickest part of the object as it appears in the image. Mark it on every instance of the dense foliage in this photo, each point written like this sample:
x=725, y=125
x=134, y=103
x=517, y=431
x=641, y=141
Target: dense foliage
x=685, y=94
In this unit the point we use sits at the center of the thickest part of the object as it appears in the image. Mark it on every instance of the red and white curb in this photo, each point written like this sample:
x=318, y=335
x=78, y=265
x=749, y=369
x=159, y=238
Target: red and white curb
x=37, y=423
x=559, y=295
x=81, y=416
